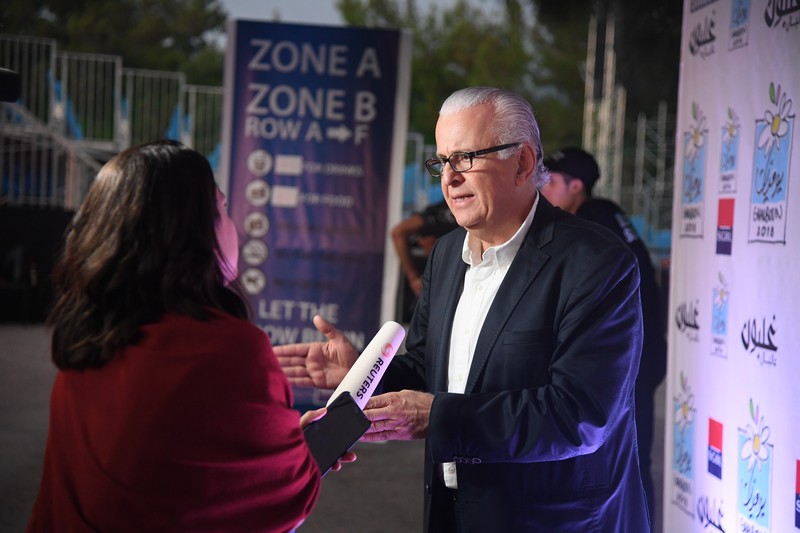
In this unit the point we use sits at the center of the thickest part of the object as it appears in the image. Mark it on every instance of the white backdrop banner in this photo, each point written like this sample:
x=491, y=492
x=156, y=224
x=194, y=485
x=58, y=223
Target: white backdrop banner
x=732, y=451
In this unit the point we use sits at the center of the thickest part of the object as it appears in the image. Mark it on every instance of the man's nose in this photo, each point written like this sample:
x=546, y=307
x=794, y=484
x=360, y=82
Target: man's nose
x=450, y=176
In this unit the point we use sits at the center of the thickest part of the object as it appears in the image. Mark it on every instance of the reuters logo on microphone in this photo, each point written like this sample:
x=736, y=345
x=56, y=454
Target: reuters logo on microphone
x=386, y=350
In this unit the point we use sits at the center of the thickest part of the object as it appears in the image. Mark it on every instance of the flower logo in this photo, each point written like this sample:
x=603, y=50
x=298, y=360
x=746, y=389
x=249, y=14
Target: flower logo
x=697, y=133
x=755, y=450
x=721, y=293
x=683, y=436
x=755, y=470
x=684, y=402
x=731, y=127
x=777, y=123
x=771, y=156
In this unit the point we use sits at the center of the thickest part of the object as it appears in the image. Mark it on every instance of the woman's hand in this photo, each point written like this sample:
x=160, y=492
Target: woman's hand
x=315, y=414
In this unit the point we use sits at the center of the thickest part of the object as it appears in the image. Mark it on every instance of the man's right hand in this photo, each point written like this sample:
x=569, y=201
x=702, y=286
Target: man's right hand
x=318, y=364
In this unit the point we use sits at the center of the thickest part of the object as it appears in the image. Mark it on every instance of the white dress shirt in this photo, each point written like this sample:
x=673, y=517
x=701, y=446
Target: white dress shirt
x=481, y=282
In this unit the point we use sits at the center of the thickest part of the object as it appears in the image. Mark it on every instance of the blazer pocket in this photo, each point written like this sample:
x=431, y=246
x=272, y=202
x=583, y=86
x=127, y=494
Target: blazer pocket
x=526, y=358
x=539, y=337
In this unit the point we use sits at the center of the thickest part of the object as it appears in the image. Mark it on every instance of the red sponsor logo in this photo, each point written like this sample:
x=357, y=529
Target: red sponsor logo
x=714, y=434
x=725, y=213
x=797, y=482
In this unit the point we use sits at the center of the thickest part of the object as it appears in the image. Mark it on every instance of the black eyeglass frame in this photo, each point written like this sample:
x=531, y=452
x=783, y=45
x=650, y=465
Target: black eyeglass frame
x=465, y=156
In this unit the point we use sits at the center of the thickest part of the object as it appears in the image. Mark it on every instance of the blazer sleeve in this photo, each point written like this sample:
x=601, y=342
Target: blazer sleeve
x=562, y=395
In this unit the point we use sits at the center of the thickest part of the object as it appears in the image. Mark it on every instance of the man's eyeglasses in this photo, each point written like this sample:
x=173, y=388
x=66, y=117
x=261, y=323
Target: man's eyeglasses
x=461, y=161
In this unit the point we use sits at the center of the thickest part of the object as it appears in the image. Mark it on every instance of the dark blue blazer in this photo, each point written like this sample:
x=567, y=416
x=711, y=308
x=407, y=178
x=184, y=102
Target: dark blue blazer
x=544, y=434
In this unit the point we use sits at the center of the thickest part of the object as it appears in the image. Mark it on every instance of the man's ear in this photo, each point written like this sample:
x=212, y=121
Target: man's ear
x=526, y=163
x=576, y=186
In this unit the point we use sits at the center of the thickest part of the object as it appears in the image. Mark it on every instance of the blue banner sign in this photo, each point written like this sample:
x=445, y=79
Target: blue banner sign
x=314, y=137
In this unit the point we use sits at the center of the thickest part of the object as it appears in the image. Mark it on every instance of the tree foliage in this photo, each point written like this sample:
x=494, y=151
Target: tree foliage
x=560, y=39
x=172, y=35
x=648, y=52
x=453, y=48
x=498, y=44
x=647, y=46
x=535, y=47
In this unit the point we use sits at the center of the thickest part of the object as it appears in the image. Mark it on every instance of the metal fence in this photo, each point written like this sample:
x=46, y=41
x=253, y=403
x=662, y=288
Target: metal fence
x=653, y=182
x=39, y=167
x=648, y=197
x=78, y=109
x=33, y=58
x=203, y=126
x=86, y=89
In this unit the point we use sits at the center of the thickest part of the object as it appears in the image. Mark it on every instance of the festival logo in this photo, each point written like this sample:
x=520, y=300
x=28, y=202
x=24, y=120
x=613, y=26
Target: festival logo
x=701, y=40
x=725, y=226
x=709, y=513
x=740, y=22
x=754, y=487
x=768, y=205
x=719, y=318
x=686, y=319
x=783, y=12
x=694, y=163
x=715, y=448
x=729, y=153
x=757, y=339
x=683, y=446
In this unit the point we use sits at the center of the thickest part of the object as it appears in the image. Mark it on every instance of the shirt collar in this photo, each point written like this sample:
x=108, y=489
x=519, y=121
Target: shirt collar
x=504, y=253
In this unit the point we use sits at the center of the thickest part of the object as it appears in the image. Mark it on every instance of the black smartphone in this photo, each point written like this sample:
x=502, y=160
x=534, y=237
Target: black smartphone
x=332, y=435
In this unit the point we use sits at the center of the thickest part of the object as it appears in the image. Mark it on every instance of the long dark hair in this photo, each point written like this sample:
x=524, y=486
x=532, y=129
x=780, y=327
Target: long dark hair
x=142, y=243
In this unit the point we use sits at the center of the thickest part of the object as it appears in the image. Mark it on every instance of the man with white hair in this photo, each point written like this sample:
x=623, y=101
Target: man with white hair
x=523, y=349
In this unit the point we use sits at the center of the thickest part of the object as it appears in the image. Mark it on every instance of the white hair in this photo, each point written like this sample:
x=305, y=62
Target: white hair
x=513, y=122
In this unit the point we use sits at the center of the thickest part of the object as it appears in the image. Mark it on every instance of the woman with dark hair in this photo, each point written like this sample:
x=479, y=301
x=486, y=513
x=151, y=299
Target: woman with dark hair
x=169, y=412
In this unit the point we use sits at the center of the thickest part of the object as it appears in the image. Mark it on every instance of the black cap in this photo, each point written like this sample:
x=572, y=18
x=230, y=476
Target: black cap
x=577, y=163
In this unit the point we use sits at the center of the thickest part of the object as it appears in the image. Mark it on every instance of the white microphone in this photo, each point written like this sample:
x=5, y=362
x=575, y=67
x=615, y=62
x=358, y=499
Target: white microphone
x=365, y=374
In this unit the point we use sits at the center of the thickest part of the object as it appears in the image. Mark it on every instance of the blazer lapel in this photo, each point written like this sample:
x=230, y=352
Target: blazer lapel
x=527, y=264
x=456, y=276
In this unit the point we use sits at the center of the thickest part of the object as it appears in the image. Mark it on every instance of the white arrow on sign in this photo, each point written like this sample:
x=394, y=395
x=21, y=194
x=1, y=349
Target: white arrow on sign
x=340, y=133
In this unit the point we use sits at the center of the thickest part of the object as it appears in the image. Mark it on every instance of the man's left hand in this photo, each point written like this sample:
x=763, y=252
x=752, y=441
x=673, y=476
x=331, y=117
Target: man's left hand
x=400, y=415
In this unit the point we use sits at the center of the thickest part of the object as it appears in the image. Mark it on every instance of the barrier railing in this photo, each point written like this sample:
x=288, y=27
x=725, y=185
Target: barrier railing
x=39, y=167
x=93, y=107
